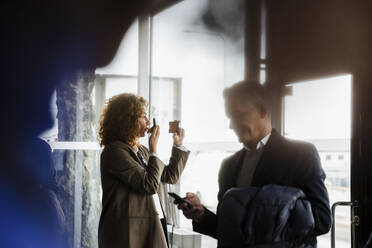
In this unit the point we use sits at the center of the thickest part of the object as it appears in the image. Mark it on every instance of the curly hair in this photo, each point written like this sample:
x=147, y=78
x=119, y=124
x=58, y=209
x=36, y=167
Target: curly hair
x=119, y=118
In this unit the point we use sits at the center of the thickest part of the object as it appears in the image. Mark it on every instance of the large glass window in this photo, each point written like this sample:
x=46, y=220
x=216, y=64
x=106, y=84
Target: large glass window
x=320, y=112
x=191, y=65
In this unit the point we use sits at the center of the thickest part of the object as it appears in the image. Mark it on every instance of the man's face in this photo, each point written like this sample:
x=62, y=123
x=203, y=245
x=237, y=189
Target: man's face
x=246, y=121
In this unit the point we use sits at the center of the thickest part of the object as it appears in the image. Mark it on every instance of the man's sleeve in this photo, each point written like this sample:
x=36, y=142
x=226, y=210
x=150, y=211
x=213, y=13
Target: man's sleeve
x=207, y=224
x=316, y=192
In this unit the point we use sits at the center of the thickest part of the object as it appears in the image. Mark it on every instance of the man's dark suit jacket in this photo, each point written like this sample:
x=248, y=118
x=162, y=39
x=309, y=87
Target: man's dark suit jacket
x=283, y=162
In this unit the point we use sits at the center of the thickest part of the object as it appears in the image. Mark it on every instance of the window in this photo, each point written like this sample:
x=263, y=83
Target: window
x=191, y=65
x=323, y=107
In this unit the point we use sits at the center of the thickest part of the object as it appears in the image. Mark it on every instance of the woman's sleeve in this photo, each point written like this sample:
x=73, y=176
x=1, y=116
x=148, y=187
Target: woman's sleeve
x=119, y=163
x=177, y=163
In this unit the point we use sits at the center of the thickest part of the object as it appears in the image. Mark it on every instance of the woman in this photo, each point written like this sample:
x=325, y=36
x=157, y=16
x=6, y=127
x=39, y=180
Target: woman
x=131, y=175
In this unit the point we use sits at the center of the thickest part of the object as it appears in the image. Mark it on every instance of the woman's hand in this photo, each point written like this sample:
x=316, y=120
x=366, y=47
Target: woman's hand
x=154, y=138
x=178, y=137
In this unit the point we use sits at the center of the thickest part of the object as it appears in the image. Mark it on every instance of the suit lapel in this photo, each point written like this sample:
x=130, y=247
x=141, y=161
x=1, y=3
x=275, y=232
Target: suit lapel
x=239, y=164
x=134, y=155
x=266, y=165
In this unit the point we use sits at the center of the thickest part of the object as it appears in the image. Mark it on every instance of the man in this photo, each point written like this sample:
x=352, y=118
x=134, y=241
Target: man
x=267, y=158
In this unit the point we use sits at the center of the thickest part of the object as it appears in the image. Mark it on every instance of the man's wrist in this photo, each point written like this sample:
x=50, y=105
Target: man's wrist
x=200, y=216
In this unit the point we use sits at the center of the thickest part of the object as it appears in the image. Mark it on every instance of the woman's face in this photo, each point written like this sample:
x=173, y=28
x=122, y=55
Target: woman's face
x=143, y=124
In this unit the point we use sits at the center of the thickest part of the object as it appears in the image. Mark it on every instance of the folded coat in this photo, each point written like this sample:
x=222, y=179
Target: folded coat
x=270, y=216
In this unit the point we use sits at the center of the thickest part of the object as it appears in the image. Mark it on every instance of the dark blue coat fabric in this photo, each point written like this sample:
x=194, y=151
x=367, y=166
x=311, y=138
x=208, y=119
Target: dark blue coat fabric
x=271, y=216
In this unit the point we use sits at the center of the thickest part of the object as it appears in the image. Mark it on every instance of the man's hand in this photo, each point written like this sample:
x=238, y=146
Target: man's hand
x=197, y=209
x=178, y=137
x=154, y=138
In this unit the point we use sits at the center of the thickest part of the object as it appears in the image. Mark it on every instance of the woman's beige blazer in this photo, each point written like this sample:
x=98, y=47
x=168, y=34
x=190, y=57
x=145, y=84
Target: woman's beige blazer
x=129, y=218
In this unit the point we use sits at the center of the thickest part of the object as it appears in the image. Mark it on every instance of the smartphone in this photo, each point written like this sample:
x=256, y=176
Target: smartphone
x=153, y=125
x=174, y=126
x=179, y=199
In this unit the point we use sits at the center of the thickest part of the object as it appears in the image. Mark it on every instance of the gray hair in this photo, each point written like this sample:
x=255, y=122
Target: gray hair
x=250, y=92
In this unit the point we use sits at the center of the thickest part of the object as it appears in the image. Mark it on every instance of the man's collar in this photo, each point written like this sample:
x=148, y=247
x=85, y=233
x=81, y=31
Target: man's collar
x=261, y=143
